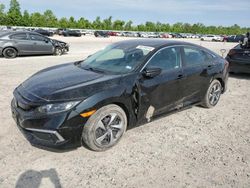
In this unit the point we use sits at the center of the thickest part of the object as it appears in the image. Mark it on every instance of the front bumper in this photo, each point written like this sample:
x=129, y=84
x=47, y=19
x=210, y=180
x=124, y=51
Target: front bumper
x=59, y=131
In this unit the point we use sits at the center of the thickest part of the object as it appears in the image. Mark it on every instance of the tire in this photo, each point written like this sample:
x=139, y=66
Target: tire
x=212, y=95
x=58, y=51
x=9, y=53
x=105, y=128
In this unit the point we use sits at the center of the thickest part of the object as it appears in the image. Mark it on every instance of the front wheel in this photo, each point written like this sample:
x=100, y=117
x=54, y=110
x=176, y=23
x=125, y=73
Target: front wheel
x=213, y=94
x=58, y=51
x=105, y=128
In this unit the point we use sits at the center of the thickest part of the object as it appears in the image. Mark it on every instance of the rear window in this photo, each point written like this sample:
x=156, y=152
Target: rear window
x=20, y=36
x=194, y=56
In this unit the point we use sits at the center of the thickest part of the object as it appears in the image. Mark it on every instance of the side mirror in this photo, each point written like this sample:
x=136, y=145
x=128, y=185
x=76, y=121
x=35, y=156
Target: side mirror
x=46, y=40
x=151, y=72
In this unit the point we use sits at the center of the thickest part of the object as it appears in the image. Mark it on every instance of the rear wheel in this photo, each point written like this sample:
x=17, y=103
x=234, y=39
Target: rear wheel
x=105, y=128
x=9, y=52
x=213, y=94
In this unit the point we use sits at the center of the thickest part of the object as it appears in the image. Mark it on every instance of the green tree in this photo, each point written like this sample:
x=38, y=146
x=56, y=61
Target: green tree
x=107, y=23
x=150, y=26
x=2, y=15
x=128, y=26
x=177, y=27
x=26, y=19
x=141, y=27
x=72, y=22
x=97, y=24
x=165, y=27
x=14, y=16
x=118, y=25
x=50, y=18
x=63, y=23
x=37, y=20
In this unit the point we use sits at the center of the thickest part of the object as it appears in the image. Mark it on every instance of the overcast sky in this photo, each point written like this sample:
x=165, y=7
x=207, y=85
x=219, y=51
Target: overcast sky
x=209, y=12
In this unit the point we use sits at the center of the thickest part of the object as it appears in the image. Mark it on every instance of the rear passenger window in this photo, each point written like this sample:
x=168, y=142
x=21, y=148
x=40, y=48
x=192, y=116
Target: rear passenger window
x=194, y=56
x=20, y=36
x=166, y=59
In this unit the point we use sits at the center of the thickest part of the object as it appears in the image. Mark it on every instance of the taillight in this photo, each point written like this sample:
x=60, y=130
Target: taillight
x=226, y=63
x=231, y=52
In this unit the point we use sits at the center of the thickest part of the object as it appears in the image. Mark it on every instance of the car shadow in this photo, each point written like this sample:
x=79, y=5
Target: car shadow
x=240, y=76
x=33, y=178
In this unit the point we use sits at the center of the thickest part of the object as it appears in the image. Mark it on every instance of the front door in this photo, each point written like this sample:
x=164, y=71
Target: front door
x=41, y=45
x=163, y=92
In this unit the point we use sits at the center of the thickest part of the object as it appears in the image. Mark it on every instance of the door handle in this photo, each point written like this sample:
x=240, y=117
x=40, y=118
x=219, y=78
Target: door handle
x=180, y=76
x=210, y=66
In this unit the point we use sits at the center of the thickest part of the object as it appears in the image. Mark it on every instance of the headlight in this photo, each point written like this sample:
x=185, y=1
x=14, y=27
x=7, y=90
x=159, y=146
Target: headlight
x=57, y=107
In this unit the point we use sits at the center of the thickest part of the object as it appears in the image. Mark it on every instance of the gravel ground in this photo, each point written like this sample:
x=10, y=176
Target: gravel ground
x=194, y=148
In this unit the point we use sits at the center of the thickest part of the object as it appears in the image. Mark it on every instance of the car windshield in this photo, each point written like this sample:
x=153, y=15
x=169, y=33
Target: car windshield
x=117, y=59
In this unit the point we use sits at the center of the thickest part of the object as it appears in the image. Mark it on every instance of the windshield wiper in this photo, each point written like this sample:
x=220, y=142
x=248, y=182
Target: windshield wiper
x=93, y=69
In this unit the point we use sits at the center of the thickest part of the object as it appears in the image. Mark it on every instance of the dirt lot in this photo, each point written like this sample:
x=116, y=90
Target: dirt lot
x=193, y=148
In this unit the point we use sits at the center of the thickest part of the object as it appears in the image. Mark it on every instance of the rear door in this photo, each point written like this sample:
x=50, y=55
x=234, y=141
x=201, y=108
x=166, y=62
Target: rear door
x=196, y=67
x=21, y=42
x=40, y=44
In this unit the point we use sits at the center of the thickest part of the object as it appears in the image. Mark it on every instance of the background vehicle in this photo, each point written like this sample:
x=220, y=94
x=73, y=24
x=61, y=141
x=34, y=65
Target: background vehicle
x=74, y=33
x=239, y=59
x=127, y=83
x=112, y=33
x=101, y=34
x=234, y=38
x=44, y=32
x=17, y=43
x=211, y=38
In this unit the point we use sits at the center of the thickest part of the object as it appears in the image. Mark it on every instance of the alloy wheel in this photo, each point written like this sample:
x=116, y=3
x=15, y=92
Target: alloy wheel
x=109, y=129
x=214, y=94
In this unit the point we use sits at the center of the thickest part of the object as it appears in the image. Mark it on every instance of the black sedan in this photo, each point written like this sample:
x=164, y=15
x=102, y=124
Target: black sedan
x=74, y=33
x=17, y=43
x=44, y=32
x=239, y=59
x=95, y=100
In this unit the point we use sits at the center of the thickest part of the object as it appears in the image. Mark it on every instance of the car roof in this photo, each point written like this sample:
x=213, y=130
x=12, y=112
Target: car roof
x=17, y=32
x=156, y=43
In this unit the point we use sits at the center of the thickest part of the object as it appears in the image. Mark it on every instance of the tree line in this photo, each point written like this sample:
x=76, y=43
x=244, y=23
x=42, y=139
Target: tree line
x=14, y=17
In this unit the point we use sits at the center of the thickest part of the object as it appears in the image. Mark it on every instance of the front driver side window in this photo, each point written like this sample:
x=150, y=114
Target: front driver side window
x=37, y=37
x=166, y=59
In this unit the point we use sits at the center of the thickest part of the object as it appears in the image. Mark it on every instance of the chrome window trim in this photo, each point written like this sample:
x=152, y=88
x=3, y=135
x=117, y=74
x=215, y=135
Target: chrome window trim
x=60, y=138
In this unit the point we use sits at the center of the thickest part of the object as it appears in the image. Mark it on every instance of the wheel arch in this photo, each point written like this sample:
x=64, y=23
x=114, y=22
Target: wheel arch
x=220, y=80
x=10, y=47
x=98, y=101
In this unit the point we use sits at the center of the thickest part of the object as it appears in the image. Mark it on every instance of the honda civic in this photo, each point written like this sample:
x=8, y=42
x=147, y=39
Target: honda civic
x=94, y=101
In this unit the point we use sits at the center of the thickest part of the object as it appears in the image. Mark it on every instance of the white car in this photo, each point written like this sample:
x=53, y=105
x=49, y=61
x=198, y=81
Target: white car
x=211, y=38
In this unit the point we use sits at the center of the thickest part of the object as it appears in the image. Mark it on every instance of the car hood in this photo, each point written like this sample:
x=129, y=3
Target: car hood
x=65, y=82
x=58, y=41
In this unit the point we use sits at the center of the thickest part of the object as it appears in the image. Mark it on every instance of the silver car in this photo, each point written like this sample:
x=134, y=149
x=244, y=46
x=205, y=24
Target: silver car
x=16, y=43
